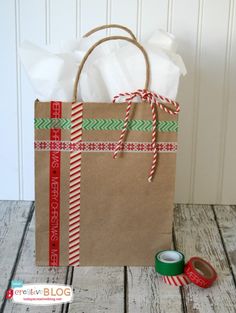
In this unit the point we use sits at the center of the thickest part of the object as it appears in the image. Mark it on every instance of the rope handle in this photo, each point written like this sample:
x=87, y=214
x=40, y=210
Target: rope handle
x=99, y=42
x=96, y=29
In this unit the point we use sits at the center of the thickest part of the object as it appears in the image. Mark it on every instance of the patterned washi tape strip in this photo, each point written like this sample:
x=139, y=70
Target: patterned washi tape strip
x=169, y=262
x=54, y=190
x=48, y=123
x=103, y=146
x=178, y=280
x=75, y=177
x=106, y=124
x=200, y=272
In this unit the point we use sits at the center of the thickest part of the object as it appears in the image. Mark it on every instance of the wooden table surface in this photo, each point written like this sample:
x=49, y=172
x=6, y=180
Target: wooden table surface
x=202, y=230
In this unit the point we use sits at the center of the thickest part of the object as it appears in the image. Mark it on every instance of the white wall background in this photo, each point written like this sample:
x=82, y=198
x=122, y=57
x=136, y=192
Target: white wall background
x=206, y=32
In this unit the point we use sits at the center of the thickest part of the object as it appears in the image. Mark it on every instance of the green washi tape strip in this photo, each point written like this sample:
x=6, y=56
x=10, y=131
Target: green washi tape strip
x=169, y=262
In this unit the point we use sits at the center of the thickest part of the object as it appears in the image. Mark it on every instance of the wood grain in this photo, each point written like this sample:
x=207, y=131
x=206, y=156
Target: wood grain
x=98, y=290
x=197, y=234
x=29, y=273
x=146, y=293
x=226, y=219
x=13, y=218
x=201, y=230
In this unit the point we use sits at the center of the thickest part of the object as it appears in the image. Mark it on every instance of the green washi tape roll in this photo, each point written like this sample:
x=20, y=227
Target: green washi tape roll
x=169, y=262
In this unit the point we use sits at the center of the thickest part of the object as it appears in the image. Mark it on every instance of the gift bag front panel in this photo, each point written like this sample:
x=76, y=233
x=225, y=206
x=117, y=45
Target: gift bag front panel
x=124, y=219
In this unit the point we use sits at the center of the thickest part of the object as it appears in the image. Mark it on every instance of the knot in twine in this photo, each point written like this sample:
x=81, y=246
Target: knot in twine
x=156, y=101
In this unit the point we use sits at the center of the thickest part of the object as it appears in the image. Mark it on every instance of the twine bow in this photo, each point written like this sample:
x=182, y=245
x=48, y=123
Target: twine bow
x=156, y=101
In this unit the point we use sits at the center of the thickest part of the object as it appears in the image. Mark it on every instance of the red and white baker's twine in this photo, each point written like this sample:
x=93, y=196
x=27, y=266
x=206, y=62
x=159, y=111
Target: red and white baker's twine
x=123, y=132
x=75, y=176
x=156, y=101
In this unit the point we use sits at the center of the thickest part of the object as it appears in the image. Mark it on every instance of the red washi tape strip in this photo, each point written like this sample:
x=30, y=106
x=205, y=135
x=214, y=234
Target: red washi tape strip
x=54, y=190
x=200, y=272
x=177, y=280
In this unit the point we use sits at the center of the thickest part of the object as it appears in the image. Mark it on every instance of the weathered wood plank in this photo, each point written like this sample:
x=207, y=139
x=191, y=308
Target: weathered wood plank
x=102, y=289
x=226, y=219
x=197, y=234
x=28, y=272
x=98, y=290
x=13, y=218
x=146, y=293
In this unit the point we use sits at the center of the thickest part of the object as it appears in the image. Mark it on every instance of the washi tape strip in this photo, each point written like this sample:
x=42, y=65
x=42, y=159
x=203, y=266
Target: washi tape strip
x=103, y=146
x=48, y=123
x=177, y=280
x=106, y=124
x=169, y=262
x=54, y=189
x=75, y=180
x=138, y=125
x=200, y=272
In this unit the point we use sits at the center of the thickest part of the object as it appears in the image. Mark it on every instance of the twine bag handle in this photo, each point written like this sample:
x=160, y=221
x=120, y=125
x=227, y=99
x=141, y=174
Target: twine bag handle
x=130, y=98
x=99, y=42
x=96, y=29
x=154, y=100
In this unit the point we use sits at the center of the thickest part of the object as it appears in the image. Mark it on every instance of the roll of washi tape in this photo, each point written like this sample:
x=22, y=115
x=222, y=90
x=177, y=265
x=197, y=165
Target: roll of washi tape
x=177, y=280
x=169, y=262
x=200, y=272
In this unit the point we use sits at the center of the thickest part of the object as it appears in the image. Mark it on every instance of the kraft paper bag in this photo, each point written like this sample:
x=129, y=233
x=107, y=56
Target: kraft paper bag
x=104, y=177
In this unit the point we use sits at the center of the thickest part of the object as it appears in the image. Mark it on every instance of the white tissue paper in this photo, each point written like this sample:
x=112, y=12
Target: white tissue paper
x=113, y=67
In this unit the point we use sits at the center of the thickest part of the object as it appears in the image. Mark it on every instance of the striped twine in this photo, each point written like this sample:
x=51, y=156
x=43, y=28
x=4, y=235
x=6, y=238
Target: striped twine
x=163, y=107
x=178, y=280
x=75, y=176
x=155, y=100
x=124, y=129
x=154, y=135
x=158, y=100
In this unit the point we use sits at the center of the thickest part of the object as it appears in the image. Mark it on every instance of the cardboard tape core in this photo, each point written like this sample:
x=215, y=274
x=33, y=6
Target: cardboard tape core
x=203, y=269
x=170, y=256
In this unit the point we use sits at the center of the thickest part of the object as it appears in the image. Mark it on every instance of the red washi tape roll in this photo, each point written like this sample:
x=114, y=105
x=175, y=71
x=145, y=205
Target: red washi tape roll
x=177, y=280
x=200, y=272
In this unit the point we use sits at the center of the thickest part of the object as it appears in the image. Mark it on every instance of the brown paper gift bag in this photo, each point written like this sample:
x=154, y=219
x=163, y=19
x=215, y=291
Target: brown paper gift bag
x=92, y=208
